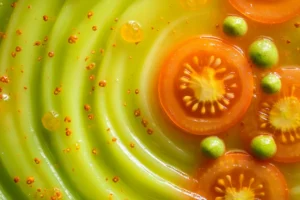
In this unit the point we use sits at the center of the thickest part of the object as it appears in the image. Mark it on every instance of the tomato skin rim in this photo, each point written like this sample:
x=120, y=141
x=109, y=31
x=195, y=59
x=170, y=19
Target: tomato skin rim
x=236, y=4
x=245, y=96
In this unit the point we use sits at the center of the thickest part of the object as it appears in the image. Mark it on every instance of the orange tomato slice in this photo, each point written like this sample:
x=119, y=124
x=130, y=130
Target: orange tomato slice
x=205, y=86
x=267, y=11
x=236, y=176
x=279, y=115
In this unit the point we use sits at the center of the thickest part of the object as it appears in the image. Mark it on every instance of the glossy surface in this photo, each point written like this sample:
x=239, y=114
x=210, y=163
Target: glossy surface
x=114, y=140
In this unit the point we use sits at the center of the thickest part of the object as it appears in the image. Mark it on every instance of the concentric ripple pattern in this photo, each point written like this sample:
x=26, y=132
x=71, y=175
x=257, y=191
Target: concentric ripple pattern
x=79, y=112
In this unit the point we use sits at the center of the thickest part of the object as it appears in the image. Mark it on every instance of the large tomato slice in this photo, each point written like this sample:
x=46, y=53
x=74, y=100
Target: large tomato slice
x=268, y=11
x=205, y=86
x=279, y=115
x=237, y=176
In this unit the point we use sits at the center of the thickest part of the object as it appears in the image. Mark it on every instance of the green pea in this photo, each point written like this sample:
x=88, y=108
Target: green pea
x=212, y=147
x=263, y=53
x=235, y=26
x=271, y=83
x=263, y=146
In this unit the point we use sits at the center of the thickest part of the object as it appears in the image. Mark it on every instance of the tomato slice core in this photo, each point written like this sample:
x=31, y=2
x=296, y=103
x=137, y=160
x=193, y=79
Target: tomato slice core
x=237, y=176
x=205, y=86
x=267, y=11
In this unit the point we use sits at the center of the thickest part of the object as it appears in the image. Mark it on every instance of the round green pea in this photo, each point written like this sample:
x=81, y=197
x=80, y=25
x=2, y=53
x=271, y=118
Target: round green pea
x=212, y=147
x=263, y=146
x=263, y=53
x=271, y=84
x=235, y=26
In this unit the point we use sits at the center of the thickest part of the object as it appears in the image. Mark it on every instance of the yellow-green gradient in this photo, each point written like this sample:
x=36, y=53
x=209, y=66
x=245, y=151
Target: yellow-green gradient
x=111, y=153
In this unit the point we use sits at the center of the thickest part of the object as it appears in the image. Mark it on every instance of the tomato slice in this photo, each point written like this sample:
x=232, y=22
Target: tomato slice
x=205, y=86
x=237, y=176
x=279, y=115
x=267, y=11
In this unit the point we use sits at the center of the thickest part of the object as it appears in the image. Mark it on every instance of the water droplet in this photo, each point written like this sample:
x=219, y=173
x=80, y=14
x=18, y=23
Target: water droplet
x=51, y=121
x=132, y=32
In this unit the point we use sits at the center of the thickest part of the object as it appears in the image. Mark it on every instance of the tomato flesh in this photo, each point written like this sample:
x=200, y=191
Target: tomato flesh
x=205, y=86
x=237, y=176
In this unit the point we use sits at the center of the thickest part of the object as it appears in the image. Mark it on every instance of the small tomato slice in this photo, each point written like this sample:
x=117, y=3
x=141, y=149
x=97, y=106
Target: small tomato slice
x=267, y=11
x=237, y=176
x=279, y=115
x=205, y=86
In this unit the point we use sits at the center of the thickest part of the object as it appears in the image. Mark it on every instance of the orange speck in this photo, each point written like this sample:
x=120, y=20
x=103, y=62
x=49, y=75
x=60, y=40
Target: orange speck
x=37, y=161
x=45, y=18
x=102, y=51
x=51, y=54
x=30, y=180
x=57, y=90
x=13, y=54
x=14, y=4
x=4, y=79
x=102, y=83
x=91, y=66
x=94, y=151
x=132, y=145
x=16, y=179
x=144, y=122
x=87, y=107
x=136, y=91
x=67, y=119
x=72, y=39
x=94, y=28
x=37, y=43
x=149, y=131
x=90, y=14
x=90, y=116
x=114, y=139
x=92, y=77
x=18, y=49
x=19, y=32
x=137, y=112
x=115, y=179
x=68, y=132
x=297, y=24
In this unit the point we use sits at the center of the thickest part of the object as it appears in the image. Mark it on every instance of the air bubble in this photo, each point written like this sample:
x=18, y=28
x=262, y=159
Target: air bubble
x=132, y=32
x=51, y=121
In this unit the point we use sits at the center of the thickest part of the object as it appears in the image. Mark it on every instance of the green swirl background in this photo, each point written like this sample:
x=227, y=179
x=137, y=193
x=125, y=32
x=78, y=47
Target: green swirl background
x=111, y=156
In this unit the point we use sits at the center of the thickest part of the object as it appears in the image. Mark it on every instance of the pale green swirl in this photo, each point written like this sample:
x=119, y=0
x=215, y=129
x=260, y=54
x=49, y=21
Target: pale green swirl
x=159, y=166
